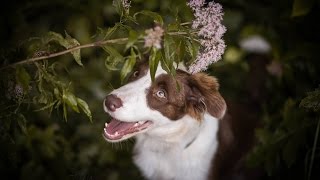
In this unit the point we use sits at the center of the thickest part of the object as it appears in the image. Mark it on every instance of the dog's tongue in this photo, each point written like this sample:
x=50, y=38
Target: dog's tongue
x=118, y=126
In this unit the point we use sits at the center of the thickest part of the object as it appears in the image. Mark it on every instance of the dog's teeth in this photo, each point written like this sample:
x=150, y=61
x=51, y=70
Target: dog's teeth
x=106, y=124
x=140, y=122
x=136, y=124
x=105, y=130
x=116, y=134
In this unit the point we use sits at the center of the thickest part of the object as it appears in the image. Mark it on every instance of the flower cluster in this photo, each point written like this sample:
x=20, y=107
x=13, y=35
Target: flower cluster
x=210, y=31
x=153, y=37
x=126, y=5
x=14, y=91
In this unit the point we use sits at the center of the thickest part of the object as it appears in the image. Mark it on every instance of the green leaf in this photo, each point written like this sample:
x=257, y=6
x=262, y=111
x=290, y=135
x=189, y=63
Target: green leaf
x=128, y=65
x=65, y=112
x=112, y=52
x=23, y=78
x=53, y=36
x=114, y=59
x=301, y=7
x=50, y=105
x=71, y=100
x=133, y=37
x=111, y=64
x=180, y=47
x=118, y=6
x=192, y=49
x=71, y=42
x=154, y=59
x=168, y=58
x=106, y=34
x=85, y=108
x=22, y=122
x=155, y=16
x=67, y=42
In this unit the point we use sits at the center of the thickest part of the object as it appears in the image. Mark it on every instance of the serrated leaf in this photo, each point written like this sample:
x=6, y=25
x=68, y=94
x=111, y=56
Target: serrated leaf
x=71, y=42
x=67, y=43
x=23, y=78
x=71, y=100
x=155, y=16
x=128, y=66
x=154, y=59
x=301, y=7
x=85, y=108
x=53, y=36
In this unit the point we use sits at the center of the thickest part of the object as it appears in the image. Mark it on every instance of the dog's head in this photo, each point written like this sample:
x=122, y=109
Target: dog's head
x=167, y=105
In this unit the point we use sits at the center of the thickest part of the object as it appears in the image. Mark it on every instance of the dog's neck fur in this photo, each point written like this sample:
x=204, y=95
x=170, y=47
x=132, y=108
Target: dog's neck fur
x=182, y=155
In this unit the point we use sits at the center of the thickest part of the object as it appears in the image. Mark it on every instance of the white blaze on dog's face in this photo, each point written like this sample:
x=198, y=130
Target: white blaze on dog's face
x=170, y=103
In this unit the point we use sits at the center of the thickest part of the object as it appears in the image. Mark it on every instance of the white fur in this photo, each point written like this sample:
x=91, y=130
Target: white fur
x=162, y=151
x=169, y=158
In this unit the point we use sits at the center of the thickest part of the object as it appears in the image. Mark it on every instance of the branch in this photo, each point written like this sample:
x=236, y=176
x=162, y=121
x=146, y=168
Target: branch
x=95, y=44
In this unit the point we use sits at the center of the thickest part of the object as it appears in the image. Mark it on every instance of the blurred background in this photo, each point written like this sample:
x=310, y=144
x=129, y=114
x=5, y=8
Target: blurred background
x=270, y=71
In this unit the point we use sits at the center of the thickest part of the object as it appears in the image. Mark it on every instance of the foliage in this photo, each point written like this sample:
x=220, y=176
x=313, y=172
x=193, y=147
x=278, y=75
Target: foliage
x=37, y=97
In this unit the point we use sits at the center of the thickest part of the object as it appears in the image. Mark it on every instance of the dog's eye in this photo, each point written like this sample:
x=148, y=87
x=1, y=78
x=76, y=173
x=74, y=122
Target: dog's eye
x=135, y=74
x=161, y=93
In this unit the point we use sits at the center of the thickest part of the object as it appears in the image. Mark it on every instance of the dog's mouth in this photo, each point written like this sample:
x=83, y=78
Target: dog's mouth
x=117, y=130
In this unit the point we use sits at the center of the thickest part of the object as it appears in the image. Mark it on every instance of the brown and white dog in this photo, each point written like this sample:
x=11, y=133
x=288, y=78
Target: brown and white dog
x=177, y=123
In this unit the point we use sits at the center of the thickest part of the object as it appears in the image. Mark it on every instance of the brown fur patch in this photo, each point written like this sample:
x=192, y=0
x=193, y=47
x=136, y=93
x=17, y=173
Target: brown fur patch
x=186, y=94
x=173, y=104
x=205, y=90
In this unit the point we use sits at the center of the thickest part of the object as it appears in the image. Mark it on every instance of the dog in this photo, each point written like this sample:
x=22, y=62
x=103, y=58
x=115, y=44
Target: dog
x=180, y=125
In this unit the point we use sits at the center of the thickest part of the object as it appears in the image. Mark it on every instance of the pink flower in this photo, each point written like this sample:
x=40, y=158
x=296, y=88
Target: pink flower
x=210, y=31
x=153, y=37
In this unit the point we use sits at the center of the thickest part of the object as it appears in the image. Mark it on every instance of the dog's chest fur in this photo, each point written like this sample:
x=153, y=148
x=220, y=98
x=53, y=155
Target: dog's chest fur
x=185, y=155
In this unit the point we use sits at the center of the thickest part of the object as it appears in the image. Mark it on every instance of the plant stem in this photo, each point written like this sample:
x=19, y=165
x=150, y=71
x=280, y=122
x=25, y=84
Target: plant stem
x=94, y=44
x=314, y=149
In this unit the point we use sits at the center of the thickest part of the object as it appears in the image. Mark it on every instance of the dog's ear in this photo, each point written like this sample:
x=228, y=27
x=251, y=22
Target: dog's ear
x=204, y=96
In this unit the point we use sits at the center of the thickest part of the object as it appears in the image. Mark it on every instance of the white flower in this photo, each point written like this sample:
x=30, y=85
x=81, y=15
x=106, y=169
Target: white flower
x=14, y=91
x=153, y=37
x=210, y=31
x=126, y=5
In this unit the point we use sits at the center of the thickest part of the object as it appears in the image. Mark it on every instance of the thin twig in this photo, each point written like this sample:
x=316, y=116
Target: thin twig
x=314, y=150
x=94, y=44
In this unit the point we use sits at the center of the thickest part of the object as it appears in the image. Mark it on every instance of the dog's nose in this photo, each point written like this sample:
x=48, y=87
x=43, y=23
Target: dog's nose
x=112, y=102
